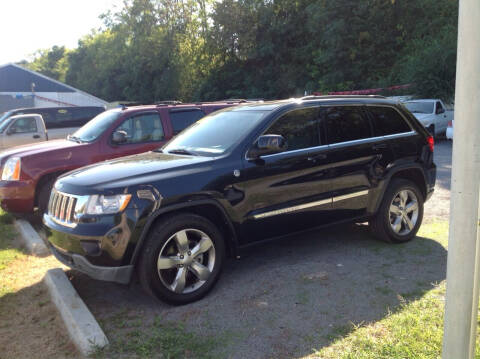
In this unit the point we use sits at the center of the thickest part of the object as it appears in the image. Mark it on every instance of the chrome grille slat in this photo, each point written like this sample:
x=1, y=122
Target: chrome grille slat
x=68, y=217
x=61, y=208
x=57, y=206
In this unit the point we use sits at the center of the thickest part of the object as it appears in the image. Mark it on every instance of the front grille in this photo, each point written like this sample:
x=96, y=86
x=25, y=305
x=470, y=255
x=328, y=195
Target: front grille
x=61, y=208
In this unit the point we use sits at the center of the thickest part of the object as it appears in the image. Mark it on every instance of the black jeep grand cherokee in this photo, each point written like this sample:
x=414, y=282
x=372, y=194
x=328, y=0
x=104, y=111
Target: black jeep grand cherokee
x=237, y=177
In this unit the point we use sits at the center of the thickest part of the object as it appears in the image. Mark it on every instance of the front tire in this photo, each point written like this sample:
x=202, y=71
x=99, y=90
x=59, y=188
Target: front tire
x=44, y=196
x=400, y=214
x=182, y=258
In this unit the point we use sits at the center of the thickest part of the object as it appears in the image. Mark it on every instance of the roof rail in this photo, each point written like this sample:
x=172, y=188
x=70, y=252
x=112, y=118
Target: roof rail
x=312, y=97
x=229, y=101
x=168, y=102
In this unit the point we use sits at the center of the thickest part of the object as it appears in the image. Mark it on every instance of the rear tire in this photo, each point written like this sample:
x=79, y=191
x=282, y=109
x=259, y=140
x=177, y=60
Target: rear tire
x=182, y=258
x=400, y=214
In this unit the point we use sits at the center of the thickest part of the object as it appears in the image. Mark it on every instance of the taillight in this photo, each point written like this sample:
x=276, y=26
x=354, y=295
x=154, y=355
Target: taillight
x=431, y=143
x=450, y=124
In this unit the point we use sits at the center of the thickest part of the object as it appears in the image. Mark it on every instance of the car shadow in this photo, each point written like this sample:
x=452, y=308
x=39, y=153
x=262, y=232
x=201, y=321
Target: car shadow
x=283, y=298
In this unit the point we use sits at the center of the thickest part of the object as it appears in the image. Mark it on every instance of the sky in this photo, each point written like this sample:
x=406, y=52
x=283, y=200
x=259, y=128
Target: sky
x=29, y=25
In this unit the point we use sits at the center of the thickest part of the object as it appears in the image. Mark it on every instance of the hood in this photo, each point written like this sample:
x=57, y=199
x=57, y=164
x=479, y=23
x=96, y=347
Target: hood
x=131, y=170
x=38, y=148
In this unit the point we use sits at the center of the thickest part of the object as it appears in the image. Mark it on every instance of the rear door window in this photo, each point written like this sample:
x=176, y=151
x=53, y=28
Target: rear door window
x=387, y=121
x=142, y=128
x=298, y=127
x=182, y=119
x=345, y=124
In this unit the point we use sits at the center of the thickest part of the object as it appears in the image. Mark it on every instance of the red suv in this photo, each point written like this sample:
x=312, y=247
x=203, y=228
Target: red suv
x=29, y=172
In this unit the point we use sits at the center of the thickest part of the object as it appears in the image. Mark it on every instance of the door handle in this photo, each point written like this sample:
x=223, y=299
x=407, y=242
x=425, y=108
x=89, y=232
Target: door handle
x=36, y=136
x=379, y=146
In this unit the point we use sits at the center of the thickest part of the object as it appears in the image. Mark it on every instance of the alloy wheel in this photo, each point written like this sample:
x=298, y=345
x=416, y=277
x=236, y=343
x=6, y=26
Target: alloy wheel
x=403, y=212
x=186, y=261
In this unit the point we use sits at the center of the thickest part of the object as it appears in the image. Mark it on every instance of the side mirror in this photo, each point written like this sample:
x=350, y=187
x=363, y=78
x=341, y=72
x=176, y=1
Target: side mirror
x=440, y=110
x=119, y=137
x=268, y=145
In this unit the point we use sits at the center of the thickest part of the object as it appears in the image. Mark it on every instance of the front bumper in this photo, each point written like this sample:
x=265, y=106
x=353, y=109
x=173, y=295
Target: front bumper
x=121, y=274
x=17, y=196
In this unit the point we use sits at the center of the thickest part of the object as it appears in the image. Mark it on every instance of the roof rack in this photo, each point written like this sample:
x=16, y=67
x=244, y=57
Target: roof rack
x=312, y=97
x=168, y=102
x=229, y=101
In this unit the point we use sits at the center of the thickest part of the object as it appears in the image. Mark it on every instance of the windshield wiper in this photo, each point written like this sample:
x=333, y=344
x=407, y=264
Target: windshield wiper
x=74, y=138
x=181, y=151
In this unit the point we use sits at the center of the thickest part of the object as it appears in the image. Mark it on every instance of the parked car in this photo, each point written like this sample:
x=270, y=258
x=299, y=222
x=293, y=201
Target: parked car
x=26, y=129
x=449, y=133
x=28, y=172
x=238, y=177
x=59, y=121
x=432, y=114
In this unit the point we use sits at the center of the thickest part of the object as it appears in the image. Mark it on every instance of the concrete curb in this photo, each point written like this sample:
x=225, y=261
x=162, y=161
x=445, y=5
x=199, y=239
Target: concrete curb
x=81, y=324
x=30, y=238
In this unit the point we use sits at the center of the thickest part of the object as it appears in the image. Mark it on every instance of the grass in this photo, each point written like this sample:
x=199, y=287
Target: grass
x=159, y=340
x=29, y=323
x=415, y=330
x=8, y=252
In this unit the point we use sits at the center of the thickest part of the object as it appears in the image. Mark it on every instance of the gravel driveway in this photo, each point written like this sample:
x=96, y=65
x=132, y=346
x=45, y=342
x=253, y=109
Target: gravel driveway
x=438, y=207
x=284, y=298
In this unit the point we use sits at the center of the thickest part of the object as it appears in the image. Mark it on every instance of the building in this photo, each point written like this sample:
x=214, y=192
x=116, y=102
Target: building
x=20, y=87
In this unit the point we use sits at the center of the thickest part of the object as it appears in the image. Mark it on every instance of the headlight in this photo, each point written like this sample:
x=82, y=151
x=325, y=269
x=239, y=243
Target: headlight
x=11, y=170
x=99, y=204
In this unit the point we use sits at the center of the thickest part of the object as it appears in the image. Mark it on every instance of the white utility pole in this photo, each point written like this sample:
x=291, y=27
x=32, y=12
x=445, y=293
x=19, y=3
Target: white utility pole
x=463, y=262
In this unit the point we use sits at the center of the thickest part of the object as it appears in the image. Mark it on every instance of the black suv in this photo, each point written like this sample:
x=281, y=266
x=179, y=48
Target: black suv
x=237, y=177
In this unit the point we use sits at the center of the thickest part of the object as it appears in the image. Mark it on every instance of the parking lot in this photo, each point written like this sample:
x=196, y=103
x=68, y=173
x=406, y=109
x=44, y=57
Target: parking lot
x=285, y=298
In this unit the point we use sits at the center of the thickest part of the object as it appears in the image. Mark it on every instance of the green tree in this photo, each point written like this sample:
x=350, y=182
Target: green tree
x=50, y=62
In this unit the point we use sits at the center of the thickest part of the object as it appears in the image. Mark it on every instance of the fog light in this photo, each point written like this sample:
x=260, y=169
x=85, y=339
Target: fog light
x=91, y=248
x=114, y=236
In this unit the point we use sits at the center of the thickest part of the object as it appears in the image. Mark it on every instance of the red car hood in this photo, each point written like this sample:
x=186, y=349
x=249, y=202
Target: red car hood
x=38, y=148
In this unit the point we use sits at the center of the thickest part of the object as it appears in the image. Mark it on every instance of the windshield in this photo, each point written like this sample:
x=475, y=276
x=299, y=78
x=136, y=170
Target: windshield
x=95, y=127
x=419, y=107
x=3, y=122
x=215, y=134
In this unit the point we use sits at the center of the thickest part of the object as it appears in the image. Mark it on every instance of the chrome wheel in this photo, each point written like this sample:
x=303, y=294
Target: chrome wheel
x=404, y=212
x=186, y=261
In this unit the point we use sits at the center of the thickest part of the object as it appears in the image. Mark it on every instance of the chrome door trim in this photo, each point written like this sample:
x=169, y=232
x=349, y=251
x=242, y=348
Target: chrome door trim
x=398, y=135
x=311, y=204
x=292, y=209
x=299, y=151
x=350, y=195
x=356, y=142
x=340, y=144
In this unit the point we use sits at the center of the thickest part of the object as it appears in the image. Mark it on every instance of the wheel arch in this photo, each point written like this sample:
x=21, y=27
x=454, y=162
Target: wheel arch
x=44, y=178
x=412, y=173
x=207, y=208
